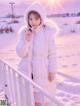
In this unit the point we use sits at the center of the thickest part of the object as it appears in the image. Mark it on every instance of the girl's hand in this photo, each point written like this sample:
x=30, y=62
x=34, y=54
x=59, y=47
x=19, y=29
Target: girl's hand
x=51, y=76
x=28, y=35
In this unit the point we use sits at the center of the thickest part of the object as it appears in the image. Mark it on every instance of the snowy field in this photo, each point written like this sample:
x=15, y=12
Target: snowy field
x=68, y=57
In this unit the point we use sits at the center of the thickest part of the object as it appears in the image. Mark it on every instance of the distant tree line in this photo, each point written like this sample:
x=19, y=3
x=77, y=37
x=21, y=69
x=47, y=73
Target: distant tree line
x=6, y=30
x=65, y=15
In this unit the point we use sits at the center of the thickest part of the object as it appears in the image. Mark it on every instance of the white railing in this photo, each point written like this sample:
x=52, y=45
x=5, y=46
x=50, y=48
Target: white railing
x=74, y=79
x=19, y=88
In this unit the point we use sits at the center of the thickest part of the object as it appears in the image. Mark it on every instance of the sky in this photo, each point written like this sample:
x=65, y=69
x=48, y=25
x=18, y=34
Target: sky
x=67, y=5
x=47, y=1
x=6, y=1
x=56, y=3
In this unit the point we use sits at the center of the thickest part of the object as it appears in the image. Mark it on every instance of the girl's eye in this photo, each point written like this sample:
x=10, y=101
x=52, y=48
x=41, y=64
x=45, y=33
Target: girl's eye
x=36, y=19
x=30, y=18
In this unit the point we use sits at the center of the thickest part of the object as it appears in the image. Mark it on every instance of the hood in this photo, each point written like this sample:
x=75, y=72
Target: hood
x=38, y=8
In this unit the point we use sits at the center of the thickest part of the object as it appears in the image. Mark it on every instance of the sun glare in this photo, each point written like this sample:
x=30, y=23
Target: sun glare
x=55, y=3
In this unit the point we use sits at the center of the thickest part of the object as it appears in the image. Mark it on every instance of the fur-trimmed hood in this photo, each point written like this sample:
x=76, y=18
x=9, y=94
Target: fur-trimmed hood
x=38, y=7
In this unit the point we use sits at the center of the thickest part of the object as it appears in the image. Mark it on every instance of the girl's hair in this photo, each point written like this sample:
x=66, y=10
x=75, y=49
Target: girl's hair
x=37, y=15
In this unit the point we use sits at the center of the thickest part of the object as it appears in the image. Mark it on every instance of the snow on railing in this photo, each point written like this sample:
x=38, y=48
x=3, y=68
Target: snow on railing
x=73, y=79
x=18, y=87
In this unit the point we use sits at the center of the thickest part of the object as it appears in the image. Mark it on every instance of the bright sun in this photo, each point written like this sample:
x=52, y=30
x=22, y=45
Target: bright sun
x=55, y=3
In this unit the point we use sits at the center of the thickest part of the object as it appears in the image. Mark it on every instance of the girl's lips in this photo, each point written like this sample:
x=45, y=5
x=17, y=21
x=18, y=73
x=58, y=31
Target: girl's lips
x=33, y=25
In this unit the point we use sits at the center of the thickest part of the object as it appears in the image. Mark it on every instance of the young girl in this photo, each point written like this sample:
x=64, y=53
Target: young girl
x=37, y=49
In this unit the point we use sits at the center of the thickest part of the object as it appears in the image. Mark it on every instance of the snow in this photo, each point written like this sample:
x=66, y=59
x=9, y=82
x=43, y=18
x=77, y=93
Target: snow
x=68, y=57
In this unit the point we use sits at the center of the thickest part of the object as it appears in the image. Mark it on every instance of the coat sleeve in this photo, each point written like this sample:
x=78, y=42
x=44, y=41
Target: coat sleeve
x=52, y=63
x=22, y=46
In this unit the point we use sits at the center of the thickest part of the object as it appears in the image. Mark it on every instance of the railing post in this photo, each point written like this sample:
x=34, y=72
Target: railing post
x=23, y=88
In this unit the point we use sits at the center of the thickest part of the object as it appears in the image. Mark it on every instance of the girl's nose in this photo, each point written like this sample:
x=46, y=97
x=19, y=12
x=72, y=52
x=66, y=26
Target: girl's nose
x=33, y=23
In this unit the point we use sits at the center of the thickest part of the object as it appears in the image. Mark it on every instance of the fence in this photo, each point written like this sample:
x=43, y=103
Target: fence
x=18, y=87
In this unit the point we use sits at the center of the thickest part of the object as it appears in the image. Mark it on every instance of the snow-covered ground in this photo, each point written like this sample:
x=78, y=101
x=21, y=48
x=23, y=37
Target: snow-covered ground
x=68, y=57
x=68, y=53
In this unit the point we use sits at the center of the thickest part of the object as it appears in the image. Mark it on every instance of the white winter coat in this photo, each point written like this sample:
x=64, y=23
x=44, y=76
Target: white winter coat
x=38, y=56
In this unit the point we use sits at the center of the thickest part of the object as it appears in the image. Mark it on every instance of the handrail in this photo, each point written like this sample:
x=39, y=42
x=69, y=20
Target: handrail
x=77, y=80
x=47, y=94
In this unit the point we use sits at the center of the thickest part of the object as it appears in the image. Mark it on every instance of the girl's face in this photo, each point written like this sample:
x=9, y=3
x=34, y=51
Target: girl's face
x=34, y=21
